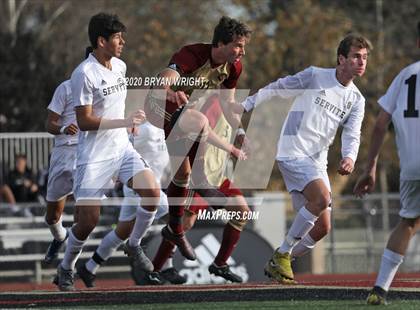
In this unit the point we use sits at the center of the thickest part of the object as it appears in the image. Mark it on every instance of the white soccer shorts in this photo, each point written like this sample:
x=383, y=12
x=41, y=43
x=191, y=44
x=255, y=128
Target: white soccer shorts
x=410, y=198
x=60, y=173
x=92, y=180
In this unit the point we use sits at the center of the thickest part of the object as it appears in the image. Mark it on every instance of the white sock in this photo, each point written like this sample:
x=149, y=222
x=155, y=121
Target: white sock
x=108, y=245
x=304, y=246
x=73, y=250
x=389, y=266
x=303, y=223
x=144, y=219
x=57, y=230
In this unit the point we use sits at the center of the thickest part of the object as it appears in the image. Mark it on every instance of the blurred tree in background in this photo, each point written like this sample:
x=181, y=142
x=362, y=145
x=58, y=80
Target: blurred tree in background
x=43, y=41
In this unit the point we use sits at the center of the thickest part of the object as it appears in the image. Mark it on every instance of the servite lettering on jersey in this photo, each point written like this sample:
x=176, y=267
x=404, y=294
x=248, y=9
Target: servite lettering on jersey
x=120, y=86
x=330, y=107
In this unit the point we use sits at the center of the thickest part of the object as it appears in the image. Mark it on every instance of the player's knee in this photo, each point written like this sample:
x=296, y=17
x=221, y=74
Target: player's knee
x=150, y=198
x=411, y=224
x=238, y=223
x=188, y=220
x=322, y=201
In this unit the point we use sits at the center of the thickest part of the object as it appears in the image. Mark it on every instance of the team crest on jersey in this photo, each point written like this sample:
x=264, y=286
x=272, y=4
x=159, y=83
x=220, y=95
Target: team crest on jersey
x=121, y=82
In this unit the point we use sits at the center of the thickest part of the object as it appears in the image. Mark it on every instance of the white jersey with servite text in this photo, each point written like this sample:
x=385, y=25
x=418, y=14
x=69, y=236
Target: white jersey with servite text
x=61, y=103
x=321, y=105
x=402, y=101
x=104, y=89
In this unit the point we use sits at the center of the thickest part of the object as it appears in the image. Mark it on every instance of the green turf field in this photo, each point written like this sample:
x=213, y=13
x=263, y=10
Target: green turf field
x=295, y=305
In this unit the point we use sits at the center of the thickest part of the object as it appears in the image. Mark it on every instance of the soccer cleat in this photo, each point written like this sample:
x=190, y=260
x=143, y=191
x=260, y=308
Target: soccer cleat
x=138, y=259
x=172, y=276
x=148, y=278
x=54, y=248
x=87, y=277
x=224, y=272
x=180, y=241
x=377, y=296
x=279, y=268
x=64, y=279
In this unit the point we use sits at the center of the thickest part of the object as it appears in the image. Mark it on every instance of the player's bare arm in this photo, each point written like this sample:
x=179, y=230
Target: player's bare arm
x=53, y=125
x=178, y=97
x=366, y=182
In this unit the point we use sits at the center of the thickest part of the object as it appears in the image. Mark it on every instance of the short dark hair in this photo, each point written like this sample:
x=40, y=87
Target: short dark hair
x=88, y=50
x=350, y=40
x=20, y=156
x=104, y=25
x=227, y=28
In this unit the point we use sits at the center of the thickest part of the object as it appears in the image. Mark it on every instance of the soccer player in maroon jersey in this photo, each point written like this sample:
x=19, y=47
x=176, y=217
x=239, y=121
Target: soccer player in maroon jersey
x=215, y=160
x=218, y=66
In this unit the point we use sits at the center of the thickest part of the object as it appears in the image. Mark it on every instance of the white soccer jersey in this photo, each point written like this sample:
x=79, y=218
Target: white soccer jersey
x=322, y=104
x=62, y=104
x=150, y=143
x=93, y=84
x=402, y=101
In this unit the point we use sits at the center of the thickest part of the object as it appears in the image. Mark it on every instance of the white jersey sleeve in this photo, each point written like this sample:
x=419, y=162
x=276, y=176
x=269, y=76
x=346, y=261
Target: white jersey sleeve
x=62, y=104
x=287, y=87
x=82, y=89
x=350, y=137
x=388, y=102
x=402, y=101
x=58, y=101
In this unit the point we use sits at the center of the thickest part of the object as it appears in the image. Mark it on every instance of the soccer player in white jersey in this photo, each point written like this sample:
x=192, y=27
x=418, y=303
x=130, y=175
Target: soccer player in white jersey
x=61, y=122
x=324, y=100
x=104, y=151
x=150, y=143
x=401, y=105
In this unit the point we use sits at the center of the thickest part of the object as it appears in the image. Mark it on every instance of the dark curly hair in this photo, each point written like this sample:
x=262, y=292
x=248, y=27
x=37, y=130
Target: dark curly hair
x=104, y=25
x=227, y=28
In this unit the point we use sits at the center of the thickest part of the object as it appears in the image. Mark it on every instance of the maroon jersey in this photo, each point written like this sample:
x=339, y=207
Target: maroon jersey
x=194, y=62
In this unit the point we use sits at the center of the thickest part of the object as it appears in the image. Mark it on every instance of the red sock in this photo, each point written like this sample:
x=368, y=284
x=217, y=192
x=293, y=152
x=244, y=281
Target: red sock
x=163, y=254
x=230, y=240
x=176, y=207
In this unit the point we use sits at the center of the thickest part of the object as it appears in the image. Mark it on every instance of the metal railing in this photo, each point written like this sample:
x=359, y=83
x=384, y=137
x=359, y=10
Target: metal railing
x=35, y=145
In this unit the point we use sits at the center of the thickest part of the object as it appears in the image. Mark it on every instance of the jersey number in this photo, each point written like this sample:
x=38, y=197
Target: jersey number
x=411, y=98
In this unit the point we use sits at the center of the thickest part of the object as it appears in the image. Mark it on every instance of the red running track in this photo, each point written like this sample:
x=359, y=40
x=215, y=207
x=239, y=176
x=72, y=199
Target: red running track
x=402, y=280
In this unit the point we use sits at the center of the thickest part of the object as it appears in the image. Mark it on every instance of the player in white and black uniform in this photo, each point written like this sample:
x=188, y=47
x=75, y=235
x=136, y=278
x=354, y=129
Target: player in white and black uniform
x=150, y=143
x=104, y=151
x=325, y=99
x=401, y=105
x=61, y=122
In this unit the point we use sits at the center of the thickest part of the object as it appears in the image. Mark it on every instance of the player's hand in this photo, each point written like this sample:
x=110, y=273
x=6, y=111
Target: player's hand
x=242, y=142
x=239, y=154
x=346, y=166
x=71, y=129
x=178, y=97
x=365, y=184
x=136, y=118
